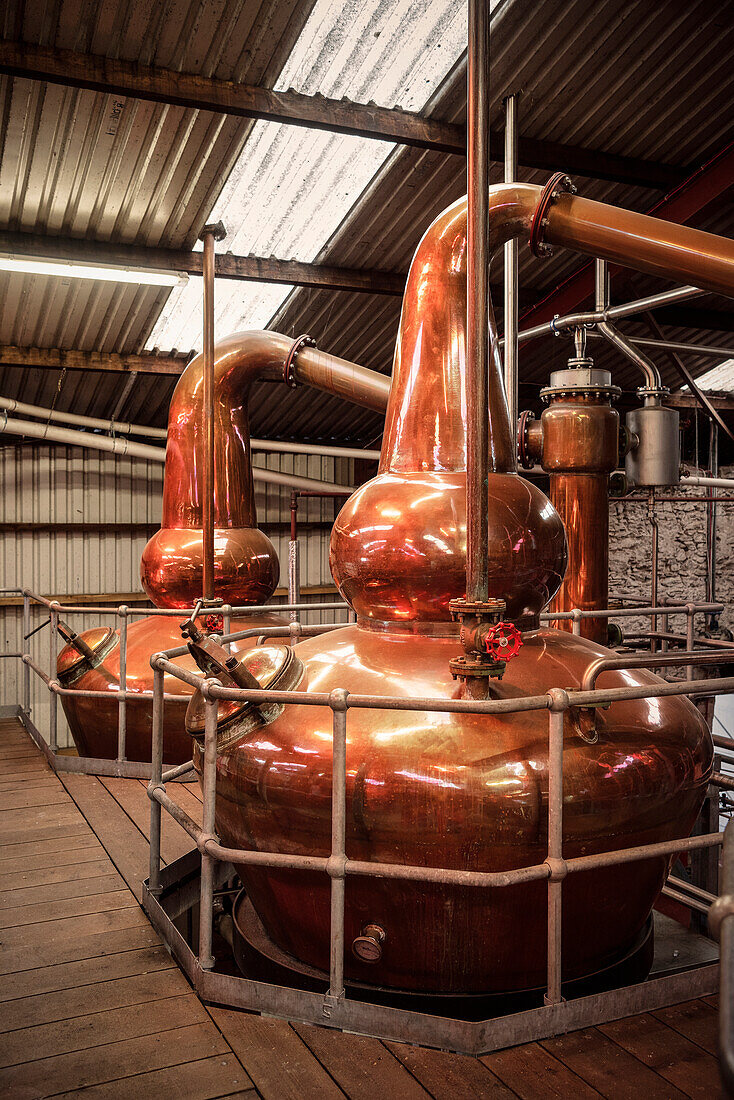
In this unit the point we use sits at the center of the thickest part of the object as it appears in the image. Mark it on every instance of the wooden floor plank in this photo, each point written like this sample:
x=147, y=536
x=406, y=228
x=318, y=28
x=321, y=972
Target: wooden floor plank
x=61, y=880
x=59, y=852
x=361, y=1066
x=696, y=1020
x=65, y=1004
x=49, y=912
x=669, y=1053
x=123, y=842
x=450, y=1076
x=278, y=1061
x=39, y=783
x=127, y=929
x=205, y=1079
x=532, y=1073
x=608, y=1068
x=24, y=797
x=133, y=799
x=96, y=1065
x=100, y=1028
x=86, y=972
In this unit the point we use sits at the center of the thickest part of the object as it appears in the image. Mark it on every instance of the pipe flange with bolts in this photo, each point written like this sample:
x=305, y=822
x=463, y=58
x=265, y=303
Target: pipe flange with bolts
x=304, y=341
x=559, y=184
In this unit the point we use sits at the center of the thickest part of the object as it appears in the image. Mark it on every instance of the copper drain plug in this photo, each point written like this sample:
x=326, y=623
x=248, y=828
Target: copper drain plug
x=367, y=945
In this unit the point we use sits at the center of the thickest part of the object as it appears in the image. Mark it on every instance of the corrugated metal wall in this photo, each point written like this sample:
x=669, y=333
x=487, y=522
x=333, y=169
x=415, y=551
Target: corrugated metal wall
x=46, y=486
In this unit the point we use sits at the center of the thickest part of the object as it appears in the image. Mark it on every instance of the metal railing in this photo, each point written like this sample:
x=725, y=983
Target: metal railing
x=721, y=924
x=121, y=766
x=337, y=865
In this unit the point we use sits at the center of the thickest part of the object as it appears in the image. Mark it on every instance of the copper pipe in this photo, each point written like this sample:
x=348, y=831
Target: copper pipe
x=245, y=563
x=208, y=419
x=477, y=302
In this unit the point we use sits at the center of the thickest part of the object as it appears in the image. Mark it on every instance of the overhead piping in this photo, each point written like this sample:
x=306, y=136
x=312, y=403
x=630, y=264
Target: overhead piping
x=130, y=449
x=171, y=564
x=117, y=427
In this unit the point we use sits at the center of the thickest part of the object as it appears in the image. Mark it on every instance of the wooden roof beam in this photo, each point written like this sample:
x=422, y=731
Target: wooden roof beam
x=66, y=359
x=123, y=78
x=226, y=266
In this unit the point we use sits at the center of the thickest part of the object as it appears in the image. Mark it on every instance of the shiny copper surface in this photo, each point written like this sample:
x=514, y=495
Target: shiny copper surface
x=93, y=722
x=580, y=448
x=398, y=548
x=246, y=566
x=245, y=562
x=456, y=790
x=464, y=792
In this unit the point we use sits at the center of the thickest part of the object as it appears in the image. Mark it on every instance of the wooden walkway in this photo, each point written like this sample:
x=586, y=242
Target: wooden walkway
x=92, y=1001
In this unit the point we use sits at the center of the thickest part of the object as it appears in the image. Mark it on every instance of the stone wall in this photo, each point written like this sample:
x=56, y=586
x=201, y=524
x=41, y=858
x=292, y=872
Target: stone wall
x=681, y=554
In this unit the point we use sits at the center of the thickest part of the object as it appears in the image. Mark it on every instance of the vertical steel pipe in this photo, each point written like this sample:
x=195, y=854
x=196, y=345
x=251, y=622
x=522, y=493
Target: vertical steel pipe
x=511, y=363
x=206, y=907
x=555, y=844
x=53, y=701
x=726, y=946
x=477, y=303
x=24, y=647
x=294, y=560
x=338, y=840
x=122, y=702
x=156, y=761
x=601, y=285
x=227, y=624
x=690, y=636
x=653, y=567
x=208, y=414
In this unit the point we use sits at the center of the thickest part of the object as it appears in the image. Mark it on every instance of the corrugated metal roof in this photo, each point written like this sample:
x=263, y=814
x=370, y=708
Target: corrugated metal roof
x=652, y=84
x=621, y=76
x=292, y=187
x=85, y=164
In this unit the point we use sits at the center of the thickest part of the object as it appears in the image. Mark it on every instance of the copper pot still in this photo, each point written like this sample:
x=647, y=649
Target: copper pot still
x=453, y=790
x=246, y=569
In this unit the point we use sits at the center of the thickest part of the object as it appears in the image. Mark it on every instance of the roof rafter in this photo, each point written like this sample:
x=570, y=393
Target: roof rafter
x=110, y=75
x=67, y=359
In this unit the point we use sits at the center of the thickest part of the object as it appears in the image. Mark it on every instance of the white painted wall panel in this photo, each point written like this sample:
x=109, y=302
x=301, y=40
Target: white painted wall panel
x=56, y=484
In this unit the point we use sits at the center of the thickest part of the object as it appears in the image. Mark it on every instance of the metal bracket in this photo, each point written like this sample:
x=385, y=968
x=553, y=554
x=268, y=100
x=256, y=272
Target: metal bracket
x=216, y=229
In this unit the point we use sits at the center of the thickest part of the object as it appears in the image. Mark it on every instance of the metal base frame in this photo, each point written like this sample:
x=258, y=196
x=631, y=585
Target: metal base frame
x=180, y=890
x=84, y=765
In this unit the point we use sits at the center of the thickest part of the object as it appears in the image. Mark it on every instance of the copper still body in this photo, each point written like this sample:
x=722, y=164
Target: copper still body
x=456, y=790
x=246, y=567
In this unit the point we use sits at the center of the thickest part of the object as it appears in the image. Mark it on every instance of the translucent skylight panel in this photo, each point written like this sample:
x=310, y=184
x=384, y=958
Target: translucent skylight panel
x=292, y=186
x=720, y=377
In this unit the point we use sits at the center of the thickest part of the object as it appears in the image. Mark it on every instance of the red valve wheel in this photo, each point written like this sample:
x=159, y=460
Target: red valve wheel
x=214, y=624
x=503, y=641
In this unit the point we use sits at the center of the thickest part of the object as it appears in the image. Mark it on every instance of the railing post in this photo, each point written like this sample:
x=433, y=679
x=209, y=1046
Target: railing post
x=338, y=702
x=294, y=559
x=726, y=961
x=664, y=626
x=122, y=700
x=206, y=897
x=576, y=621
x=227, y=624
x=690, y=635
x=53, y=741
x=558, y=707
x=154, y=875
x=26, y=669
